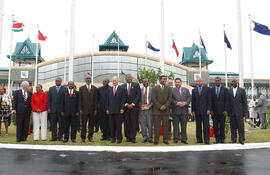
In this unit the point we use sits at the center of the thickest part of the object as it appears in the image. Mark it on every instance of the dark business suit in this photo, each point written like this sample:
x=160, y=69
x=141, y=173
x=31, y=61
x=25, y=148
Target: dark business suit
x=23, y=110
x=88, y=102
x=220, y=103
x=161, y=97
x=238, y=107
x=54, y=104
x=103, y=93
x=201, y=102
x=70, y=108
x=115, y=104
x=131, y=115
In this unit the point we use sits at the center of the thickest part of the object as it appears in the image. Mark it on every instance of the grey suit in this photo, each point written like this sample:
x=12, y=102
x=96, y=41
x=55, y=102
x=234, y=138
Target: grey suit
x=262, y=110
x=180, y=113
x=146, y=118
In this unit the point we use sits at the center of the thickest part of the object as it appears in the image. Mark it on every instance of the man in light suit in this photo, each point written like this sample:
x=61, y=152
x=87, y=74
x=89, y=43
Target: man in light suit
x=54, y=109
x=146, y=111
x=181, y=100
x=22, y=109
x=238, y=109
x=262, y=110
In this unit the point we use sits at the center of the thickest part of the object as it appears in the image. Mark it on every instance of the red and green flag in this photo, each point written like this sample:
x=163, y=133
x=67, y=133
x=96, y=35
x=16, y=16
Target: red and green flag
x=41, y=36
x=17, y=26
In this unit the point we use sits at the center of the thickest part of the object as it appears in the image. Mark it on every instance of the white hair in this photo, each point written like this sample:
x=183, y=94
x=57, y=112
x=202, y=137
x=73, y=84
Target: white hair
x=25, y=83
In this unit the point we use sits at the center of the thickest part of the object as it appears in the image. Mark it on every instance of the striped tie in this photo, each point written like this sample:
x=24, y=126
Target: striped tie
x=24, y=96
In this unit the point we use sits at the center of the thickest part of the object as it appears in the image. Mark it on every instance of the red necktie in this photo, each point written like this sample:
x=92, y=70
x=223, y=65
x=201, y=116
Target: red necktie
x=128, y=88
x=179, y=92
x=145, y=96
x=88, y=88
x=114, y=90
x=70, y=93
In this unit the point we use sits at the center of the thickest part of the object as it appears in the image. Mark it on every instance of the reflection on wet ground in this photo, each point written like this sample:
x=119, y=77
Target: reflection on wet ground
x=240, y=162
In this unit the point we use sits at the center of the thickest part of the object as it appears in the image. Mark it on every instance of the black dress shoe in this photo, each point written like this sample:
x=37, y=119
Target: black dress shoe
x=150, y=141
x=222, y=141
x=113, y=141
x=103, y=139
x=119, y=141
x=198, y=142
x=185, y=142
x=242, y=142
x=133, y=140
x=65, y=141
x=175, y=141
x=53, y=140
x=90, y=139
x=144, y=140
x=128, y=140
x=60, y=139
x=83, y=140
x=155, y=143
x=18, y=140
x=166, y=142
x=73, y=140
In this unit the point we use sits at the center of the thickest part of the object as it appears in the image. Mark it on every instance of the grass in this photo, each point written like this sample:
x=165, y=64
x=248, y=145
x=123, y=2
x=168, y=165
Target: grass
x=252, y=136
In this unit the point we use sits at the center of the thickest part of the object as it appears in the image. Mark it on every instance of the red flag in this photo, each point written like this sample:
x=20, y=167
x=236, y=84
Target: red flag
x=175, y=48
x=41, y=36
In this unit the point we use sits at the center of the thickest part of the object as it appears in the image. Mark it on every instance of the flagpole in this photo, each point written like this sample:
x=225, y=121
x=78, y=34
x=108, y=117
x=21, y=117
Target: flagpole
x=118, y=65
x=72, y=35
x=172, y=53
x=200, y=56
x=162, y=50
x=36, y=79
x=145, y=50
x=10, y=56
x=225, y=55
x=65, y=62
x=251, y=57
x=92, y=64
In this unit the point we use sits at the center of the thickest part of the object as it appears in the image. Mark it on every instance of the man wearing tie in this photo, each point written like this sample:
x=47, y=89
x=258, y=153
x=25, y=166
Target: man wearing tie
x=181, y=100
x=161, y=98
x=220, y=108
x=115, y=110
x=133, y=94
x=54, y=109
x=201, y=106
x=88, y=102
x=238, y=109
x=262, y=110
x=146, y=112
x=70, y=111
x=22, y=109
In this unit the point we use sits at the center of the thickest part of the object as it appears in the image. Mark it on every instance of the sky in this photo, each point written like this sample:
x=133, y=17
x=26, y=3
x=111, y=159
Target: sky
x=134, y=19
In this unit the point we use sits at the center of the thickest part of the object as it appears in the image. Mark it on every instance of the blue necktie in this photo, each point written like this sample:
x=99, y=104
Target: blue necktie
x=57, y=89
x=218, y=90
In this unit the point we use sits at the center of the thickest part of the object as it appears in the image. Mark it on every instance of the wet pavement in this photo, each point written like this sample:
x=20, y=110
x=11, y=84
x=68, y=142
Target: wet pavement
x=239, y=162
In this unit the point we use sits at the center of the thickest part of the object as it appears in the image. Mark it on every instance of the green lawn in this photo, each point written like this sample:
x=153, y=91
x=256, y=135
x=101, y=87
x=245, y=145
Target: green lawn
x=252, y=136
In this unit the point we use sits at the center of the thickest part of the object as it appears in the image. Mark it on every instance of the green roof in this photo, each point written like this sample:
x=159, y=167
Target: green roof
x=223, y=73
x=4, y=69
x=26, y=50
x=111, y=44
x=191, y=55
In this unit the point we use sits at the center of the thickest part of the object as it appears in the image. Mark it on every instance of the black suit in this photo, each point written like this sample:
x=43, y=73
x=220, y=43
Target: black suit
x=70, y=108
x=220, y=103
x=131, y=122
x=201, y=102
x=54, y=104
x=238, y=107
x=88, y=102
x=115, y=104
x=23, y=110
x=103, y=93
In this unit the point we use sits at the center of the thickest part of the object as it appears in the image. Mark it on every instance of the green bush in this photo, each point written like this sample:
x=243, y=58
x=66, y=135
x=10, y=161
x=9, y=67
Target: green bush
x=13, y=119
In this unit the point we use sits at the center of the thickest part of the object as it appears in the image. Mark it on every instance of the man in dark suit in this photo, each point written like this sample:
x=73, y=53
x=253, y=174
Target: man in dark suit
x=181, y=100
x=201, y=106
x=238, y=110
x=103, y=93
x=54, y=109
x=161, y=98
x=115, y=110
x=220, y=108
x=88, y=102
x=70, y=111
x=133, y=94
x=22, y=109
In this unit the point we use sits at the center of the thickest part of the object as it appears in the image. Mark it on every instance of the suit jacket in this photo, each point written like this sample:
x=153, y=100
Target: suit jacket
x=54, y=99
x=149, y=96
x=134, y=96
x=238, y=104
x=220, y=103
x=116, y=102
x=184, y=97
x=201, y=103
x=103, y=93
x=19, y=105
x=88, y=101
x=262, y=105
x=70, y=104
x=161, y=97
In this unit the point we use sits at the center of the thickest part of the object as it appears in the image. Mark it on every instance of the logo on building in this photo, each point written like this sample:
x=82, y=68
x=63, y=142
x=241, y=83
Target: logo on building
x=24, y=74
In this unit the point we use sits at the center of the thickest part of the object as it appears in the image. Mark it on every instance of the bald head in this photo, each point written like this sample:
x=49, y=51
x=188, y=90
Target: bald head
x=115, y=80
x=170, y=83
x=199, y=81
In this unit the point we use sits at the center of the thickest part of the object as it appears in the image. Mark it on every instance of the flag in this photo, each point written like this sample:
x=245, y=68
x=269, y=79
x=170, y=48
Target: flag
x=227, y=41
x=17, y=26
x=262, y=29
x=202, y=43
x=175, y=48
x=149, y=46
x=41, y=36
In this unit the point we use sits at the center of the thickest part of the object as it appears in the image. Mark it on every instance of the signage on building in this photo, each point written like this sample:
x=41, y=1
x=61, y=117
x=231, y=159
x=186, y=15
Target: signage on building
x=24, y=74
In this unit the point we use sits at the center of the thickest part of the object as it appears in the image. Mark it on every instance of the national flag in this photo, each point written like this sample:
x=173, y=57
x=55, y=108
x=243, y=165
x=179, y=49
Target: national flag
x=149, y=46
x=175, y=48
x=41, y=36
x=17, y=26
x=262, y=29
x=202, y=43
x=227, y=41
